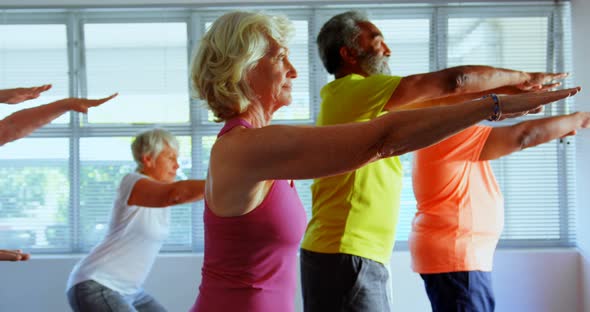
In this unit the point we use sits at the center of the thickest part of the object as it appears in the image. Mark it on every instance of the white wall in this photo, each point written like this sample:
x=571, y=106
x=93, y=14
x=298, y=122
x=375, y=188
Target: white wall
x=581, y=45
x=524, y=280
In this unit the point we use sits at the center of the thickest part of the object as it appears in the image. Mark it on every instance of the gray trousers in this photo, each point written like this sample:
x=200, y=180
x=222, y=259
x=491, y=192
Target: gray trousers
x=341, y=282
x=90, y=296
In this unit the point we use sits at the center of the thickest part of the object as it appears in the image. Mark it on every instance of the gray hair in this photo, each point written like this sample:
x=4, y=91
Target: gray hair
x=151, y=143
x=228, y=51
x=341, y=30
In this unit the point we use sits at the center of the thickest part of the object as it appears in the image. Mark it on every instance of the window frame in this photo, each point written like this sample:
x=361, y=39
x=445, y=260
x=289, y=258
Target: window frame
x=196, y=17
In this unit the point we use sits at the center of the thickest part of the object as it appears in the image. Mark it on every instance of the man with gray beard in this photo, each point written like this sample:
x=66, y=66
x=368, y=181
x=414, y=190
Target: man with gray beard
x=346, y=250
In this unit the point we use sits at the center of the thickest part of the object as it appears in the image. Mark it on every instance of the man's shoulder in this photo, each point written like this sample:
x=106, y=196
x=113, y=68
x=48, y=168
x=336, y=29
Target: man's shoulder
x=356, y=78
x=355, y=82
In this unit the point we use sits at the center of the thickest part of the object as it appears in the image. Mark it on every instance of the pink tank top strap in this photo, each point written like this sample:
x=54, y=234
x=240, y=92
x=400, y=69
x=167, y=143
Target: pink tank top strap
x=232, y=123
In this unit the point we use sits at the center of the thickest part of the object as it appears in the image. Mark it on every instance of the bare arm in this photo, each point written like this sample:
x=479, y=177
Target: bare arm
x=503, y=141
x=244, y=162
x=464, y=80
x=154, y=194
x=460, y=98
x=287, y=152
x=23, y=122
x=17, y=95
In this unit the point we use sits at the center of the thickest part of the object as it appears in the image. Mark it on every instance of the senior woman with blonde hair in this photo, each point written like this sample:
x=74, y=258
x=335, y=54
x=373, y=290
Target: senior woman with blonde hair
x=111, y=276
x=253, y=217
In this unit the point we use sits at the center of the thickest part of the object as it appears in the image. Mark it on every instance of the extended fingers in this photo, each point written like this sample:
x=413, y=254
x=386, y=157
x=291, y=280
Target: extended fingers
x=573, y=132
x=574, y=90
x=540, y=79
x=559, y=76
x=111, y=96
x=25, y=257
x=13, y=255
x=568, y=91
x=560, y=94
x=37, y=90
x=42, y=88
x=550, y=86
x=84, y=104
x=100, y=101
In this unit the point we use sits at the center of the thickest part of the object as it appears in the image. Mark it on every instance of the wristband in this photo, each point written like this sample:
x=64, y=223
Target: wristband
x=497, y=107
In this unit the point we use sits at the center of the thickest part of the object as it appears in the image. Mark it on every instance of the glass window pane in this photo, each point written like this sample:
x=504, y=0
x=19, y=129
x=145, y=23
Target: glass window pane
x=146, y=63
x=203, y=153
x=298, y=55
x=519, y=43
x=409, y=42
x=181, y=215
x=33, y=55
x=509, y=42
x=408, y=201
x=531, y=196
x=35, y=194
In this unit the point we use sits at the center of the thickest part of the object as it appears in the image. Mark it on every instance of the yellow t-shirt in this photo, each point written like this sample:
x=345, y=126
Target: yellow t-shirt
x=356, y=212
x=460, y=207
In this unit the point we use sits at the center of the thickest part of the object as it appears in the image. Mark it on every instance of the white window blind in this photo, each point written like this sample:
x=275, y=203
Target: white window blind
x=146, y=63
x=536, y=183
x=408, y=36
x=34, y=54
x=59, y=184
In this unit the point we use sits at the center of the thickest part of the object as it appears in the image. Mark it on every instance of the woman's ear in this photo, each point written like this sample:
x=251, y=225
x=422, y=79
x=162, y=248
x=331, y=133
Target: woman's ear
x=147, y=161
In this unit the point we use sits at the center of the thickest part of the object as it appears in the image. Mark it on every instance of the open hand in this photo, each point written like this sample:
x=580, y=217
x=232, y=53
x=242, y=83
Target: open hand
x=82, y=105
x=531, y=102
x=17, y=95
x=584, y=119
x=13, y=255
x=542, y=81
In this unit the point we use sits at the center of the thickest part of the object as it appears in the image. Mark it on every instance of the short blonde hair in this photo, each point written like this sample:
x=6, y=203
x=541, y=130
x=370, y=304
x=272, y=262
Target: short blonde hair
x=229, y=50
x=151, y=142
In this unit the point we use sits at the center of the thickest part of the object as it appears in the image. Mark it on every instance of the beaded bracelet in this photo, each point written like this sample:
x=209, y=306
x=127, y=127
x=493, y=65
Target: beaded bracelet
x=497, y=107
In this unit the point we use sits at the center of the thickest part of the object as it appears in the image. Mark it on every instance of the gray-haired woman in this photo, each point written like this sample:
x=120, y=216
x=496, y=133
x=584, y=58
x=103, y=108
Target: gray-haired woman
x=111, y=276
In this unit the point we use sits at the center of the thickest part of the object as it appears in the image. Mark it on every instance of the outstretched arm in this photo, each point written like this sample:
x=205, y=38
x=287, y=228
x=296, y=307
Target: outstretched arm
x=462, y=80
x=154, y=194
x=295, y=152
x=17, y=95
x=503, y=141
x=288, y=152
x=13, y=255
x=22, y=123
x=460, y=98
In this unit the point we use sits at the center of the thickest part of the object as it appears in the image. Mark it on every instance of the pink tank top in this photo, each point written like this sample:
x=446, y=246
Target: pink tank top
x=250, y=261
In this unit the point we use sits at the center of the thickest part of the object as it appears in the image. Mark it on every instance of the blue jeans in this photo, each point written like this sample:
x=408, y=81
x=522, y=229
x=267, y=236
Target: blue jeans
x=469, y=291
x=90, y=296
x=341, y=282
